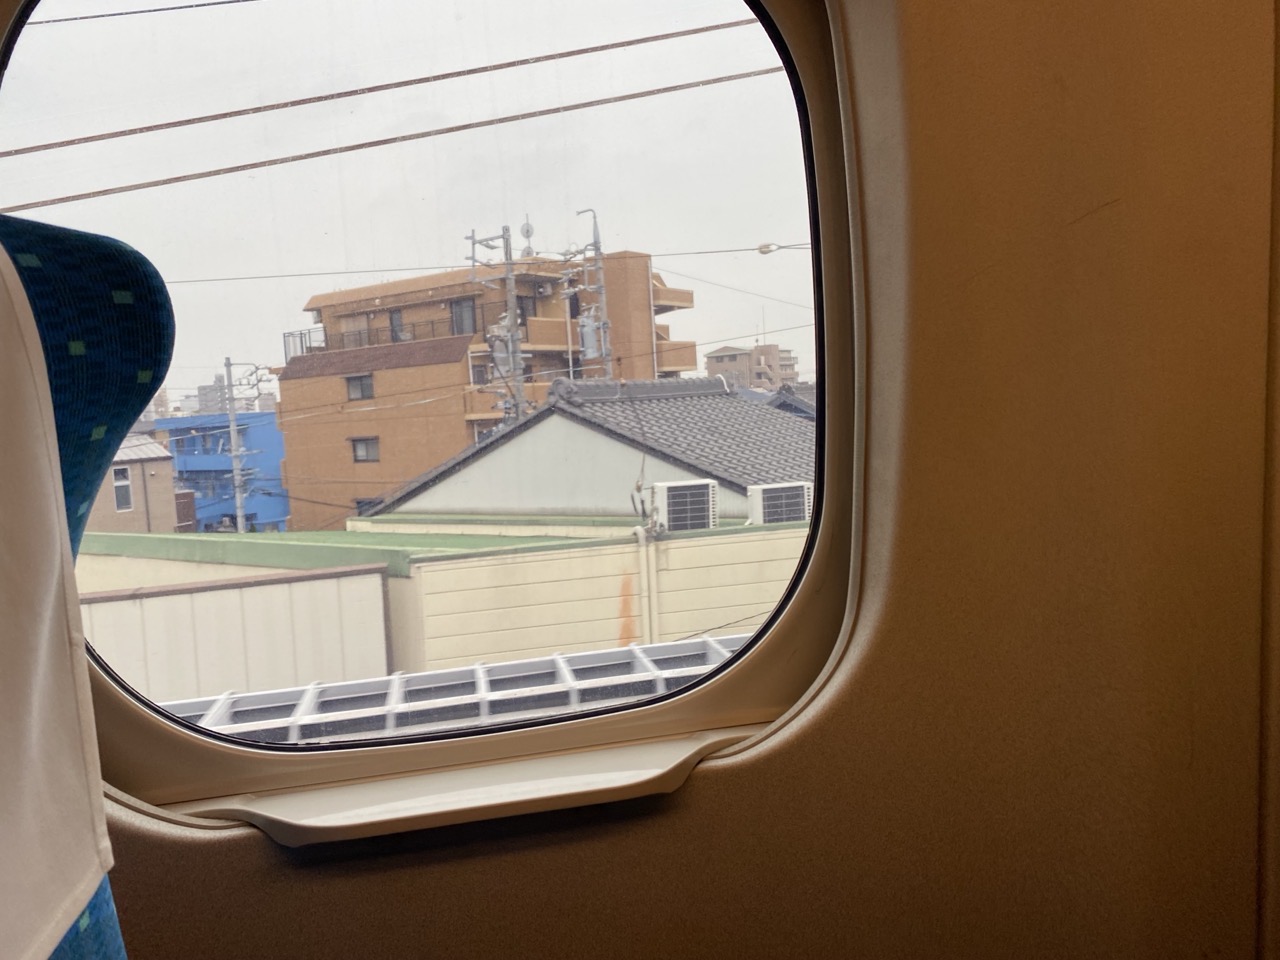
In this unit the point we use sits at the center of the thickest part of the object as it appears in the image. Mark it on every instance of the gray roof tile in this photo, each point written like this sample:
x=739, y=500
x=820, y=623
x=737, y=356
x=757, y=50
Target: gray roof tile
x=698, y=423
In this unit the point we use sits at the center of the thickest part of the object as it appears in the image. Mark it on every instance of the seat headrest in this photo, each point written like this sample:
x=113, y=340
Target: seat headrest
x=106, y=324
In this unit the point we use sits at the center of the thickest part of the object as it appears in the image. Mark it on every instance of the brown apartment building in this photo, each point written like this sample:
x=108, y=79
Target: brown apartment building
x=392, y=379
x=765, y=366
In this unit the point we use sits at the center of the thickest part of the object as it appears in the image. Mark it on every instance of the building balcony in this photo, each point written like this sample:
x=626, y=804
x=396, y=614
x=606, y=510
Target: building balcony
x=297, y=343
x=666, y=299
x=548, y=333
x=199, y=461
x=677, y=356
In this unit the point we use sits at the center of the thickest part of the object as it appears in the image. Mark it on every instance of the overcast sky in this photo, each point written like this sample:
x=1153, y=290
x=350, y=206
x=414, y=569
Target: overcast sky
x=715, y=168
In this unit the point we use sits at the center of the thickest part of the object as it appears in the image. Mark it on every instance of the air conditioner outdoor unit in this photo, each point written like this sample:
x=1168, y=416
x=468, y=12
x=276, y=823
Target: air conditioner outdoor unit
x=686, y=505
x=779, y=502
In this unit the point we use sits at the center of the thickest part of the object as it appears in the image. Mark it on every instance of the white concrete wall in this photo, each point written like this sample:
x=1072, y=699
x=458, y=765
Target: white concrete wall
x=98, y=572
x=563, y=469
x=525, y=605
x=202, y=642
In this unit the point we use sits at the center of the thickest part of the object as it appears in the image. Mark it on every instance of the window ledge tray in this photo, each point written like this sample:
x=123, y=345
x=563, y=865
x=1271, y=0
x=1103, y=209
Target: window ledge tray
x=364, y=808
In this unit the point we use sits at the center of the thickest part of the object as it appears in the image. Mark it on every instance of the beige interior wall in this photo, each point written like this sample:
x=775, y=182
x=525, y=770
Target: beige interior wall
x=1045, y=740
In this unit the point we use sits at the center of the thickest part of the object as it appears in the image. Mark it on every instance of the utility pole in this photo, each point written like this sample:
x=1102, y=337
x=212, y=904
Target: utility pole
x=236, y=479
x=513, y=326
x=593, y=280
x=510, y=328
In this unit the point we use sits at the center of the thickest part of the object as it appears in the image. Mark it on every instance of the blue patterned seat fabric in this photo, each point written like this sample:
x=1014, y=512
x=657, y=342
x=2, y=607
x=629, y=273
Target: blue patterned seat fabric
x=106, y=324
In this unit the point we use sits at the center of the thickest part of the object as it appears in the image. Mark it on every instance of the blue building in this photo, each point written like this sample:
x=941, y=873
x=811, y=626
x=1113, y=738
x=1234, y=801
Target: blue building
x=201, y=448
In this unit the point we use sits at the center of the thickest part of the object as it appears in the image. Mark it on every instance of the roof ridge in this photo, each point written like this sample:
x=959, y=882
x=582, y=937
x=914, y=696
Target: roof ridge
x=598, y=390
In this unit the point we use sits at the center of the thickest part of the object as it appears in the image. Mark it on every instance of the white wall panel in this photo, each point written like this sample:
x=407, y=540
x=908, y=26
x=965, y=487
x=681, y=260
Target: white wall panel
x=268, y=622
x=218, y=628
x=168, y=632
x=115, y=632
x=202, y=642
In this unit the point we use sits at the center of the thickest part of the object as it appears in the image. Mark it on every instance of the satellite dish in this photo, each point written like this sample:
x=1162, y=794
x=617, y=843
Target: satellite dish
x=527, y=252
x=526, y=229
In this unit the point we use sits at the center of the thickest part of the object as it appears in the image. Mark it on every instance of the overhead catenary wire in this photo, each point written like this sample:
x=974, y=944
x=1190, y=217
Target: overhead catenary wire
x=387, y=141
x=340, y=409
x=134, y=13
x=725, y=286
x=457, y=388
x=366, y=90
x=422, y=268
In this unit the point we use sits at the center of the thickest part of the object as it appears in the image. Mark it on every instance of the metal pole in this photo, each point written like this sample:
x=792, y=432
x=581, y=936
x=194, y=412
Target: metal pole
x=229, y=396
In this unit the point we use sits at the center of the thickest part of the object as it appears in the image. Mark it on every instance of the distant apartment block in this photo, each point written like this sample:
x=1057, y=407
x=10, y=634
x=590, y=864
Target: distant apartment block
x=765, y=365
x=395, y=378
x=201, y=449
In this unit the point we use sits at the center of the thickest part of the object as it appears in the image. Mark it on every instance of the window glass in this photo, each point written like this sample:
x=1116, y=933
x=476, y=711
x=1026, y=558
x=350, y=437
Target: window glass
x=365, y=450
x=463, y=316
x=572, y=245
x=360, y=388
x=123, y=488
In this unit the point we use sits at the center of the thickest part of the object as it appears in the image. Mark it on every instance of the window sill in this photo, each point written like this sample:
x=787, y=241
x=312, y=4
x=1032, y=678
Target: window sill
x=363, y=808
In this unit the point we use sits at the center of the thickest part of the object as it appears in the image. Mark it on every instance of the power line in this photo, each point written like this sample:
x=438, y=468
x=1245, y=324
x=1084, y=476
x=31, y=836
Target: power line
x=387, y=141
x=461, y=266
x=134, y=13
x=725, y=286
x=455, y=389
x=459, y=388
x=365, y=91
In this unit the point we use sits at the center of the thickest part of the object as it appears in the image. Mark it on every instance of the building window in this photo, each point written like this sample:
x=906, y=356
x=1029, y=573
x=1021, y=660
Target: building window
x=360, y=388
x=479, y=373
x=526, y=307
x=124, y=488
x=462, y=315
x=398, y=333
x=365, y=450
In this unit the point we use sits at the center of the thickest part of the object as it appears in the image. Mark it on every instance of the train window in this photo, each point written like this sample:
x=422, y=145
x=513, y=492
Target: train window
x=608, y=212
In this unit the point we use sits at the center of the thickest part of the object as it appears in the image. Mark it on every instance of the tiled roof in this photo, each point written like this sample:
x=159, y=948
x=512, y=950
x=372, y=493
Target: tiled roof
x=799, y=399
x=728, y=351
x=806, y=391
x=417, y=353
x=137, y=446
x=694, y=423
x=698, y=423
